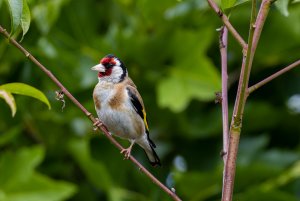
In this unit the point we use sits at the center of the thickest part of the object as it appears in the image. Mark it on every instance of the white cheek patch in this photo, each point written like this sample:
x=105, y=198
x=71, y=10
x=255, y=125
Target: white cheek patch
x=117, y=71
x=115, y=75
x=118, y=63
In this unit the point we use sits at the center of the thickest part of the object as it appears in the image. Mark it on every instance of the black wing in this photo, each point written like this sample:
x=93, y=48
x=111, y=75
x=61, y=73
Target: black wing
x=138, y=107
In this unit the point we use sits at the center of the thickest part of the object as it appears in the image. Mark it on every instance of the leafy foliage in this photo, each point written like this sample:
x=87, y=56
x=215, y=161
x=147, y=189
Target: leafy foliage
x=282, y=6
x=6, y=91
x=171, y=51
x=19, y=180
x=20, y=15
x=10, y=100
x=200, y=83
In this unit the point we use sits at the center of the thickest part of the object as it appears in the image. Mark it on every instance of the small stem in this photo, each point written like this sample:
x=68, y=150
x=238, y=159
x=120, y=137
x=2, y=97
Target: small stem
x=223, y=51
x=227, y=23
x=87, y=113
x=272, y=77
x=246, y=67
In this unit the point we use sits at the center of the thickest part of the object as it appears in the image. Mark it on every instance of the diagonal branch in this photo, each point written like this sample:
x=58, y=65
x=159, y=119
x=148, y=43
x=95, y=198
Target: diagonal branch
x=87, y=113
x=272, y=77
x=226, y=22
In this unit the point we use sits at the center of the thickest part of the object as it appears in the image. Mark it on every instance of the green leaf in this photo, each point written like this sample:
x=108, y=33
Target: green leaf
x=18, y=167
x=9, y=99
x=287, y=176
x=40, y=187
x=94, y=170
x=238, y=3
x=15, y=8
x=9, y=135
x=24, y=89
x=193, y=76
x=271, y=157
x=19, y=181
x=47, y=48
x=227, y=3
x=46, y=13
x=25, y=20
x=200, y=81
x=172, y=94
x=260, y=194
x=261, y=170
x=198, y=185
x=256, y=143
x=116, y=194
x=282, y=6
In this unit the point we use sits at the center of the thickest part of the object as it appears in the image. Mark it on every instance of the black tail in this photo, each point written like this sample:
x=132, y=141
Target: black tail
x=151, y=154
x=156, y=161
x=150, y=141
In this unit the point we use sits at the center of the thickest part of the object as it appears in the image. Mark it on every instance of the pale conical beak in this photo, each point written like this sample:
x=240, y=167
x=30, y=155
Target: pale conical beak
x=98, y=67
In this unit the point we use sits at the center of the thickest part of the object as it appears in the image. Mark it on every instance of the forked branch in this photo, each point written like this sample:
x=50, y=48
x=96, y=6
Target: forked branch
x=227, y=23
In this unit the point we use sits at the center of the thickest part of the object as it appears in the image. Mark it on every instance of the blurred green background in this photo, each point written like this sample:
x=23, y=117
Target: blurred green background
x=172, y=53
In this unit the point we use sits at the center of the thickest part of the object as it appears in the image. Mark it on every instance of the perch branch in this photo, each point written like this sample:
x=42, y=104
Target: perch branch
x=227, y=23
x=272, y=77
x=86, y=112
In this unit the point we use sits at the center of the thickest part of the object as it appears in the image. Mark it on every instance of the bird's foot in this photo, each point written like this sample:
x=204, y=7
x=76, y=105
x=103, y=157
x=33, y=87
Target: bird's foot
x=126, y=152
x=97, y=124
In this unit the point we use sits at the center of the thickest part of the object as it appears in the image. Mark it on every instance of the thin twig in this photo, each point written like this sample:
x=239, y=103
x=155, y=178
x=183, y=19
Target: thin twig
x=227, y=23
x=87, y=113
x=254, y=33
x=223, y=40
x=272, y=77
x=223, y=51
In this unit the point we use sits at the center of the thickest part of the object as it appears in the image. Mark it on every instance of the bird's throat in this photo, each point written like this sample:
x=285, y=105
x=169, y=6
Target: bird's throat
x=106, y=73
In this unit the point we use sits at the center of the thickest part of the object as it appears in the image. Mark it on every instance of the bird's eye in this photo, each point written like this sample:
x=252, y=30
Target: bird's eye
x=109, y=65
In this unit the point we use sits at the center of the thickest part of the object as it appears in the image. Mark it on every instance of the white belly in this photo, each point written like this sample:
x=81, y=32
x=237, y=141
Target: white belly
x=123, y=122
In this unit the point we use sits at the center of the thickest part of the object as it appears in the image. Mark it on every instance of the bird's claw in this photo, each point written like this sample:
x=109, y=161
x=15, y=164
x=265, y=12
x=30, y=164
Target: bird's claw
x=126, y=152
x=97, y=124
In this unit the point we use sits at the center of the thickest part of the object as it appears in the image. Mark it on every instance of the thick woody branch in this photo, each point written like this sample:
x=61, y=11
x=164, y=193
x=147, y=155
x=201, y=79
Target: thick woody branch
x=256, y=25
x=227, y=23
x=87, y=113
x=272, y=77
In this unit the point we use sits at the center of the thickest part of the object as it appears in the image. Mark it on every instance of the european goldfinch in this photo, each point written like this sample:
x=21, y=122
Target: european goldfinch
x=120, y=107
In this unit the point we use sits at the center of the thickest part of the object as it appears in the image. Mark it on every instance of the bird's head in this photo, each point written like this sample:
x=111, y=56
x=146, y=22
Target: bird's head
x=111, y=69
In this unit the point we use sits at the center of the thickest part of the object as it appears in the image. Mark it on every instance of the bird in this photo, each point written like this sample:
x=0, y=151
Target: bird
x=120, y=107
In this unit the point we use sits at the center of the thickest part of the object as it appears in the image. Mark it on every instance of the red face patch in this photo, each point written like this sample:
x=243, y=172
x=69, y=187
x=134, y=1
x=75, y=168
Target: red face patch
x=108, y=60
x=106, y=73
